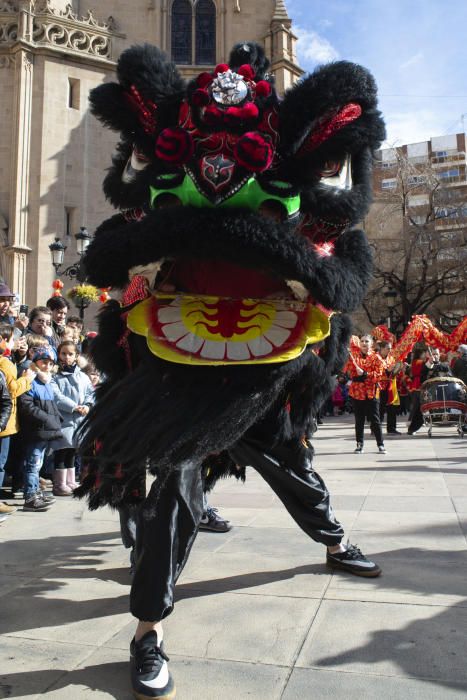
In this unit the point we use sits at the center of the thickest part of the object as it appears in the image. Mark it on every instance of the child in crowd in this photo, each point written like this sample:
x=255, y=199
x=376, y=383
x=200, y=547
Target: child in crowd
x=16, y=387
x=340, y=395
x=40, y=424
x=74, y=396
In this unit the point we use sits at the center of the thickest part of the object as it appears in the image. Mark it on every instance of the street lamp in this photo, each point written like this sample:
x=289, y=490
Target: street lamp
x=391, y=295
x=75, y=270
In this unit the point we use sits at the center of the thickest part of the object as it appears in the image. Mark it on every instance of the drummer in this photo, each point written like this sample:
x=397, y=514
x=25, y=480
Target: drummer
x=428, y=369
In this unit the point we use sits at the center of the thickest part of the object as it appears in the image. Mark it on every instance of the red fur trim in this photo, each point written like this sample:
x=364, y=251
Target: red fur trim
x=329, y=125
x=200, y=98
x=263, y=88
x=246, y=71
x=254, y=152
x=221, y=68
x=174, y=145
x=203, y=79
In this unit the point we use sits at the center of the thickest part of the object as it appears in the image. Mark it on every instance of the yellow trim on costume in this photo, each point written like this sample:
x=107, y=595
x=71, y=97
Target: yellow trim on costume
x=207, y=330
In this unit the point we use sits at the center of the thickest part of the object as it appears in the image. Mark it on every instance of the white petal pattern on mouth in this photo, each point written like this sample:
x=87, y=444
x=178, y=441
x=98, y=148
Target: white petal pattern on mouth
x=174, y=331
x=213, y=350
x=191, y=343
x=259, y=347
x=277, y=335
x=286, y=319
x=238, y=351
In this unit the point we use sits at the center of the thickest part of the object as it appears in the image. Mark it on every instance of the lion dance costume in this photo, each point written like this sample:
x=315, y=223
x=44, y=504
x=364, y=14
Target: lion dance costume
x=236, y=255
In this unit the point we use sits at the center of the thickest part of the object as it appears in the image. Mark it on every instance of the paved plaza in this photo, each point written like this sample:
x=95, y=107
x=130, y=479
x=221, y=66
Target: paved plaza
x=258, y=614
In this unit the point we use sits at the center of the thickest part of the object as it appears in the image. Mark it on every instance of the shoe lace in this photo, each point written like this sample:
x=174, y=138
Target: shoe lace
x=211, y=513
x=353, y=552
x=148, y=658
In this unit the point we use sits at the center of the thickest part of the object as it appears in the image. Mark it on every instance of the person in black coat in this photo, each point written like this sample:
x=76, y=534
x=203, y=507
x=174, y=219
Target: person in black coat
x=5, y=403
x=40, y=424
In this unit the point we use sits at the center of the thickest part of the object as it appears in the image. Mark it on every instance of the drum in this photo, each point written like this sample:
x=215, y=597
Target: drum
x=443, y=400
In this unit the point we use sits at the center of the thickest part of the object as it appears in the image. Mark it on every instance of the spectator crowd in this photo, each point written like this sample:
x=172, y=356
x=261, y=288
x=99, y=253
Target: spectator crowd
x=47, y=383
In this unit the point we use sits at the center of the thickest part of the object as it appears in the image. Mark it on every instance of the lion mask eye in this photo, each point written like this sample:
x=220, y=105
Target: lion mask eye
x=337, y=174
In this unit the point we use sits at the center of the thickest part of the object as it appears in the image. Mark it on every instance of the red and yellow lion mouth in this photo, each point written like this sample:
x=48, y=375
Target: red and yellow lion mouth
x=209, y=330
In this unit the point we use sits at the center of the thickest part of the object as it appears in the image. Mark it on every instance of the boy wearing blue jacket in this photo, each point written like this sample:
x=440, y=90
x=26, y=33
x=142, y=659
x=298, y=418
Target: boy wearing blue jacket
x=40, y=424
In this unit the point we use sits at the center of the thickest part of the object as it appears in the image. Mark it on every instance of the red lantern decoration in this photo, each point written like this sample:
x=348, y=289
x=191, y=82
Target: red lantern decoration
x=57, y=284
x=104, y=297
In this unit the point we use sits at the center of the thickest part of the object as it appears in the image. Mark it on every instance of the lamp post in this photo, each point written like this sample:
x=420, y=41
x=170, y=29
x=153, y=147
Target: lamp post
x=391, y=295
x=75, y=270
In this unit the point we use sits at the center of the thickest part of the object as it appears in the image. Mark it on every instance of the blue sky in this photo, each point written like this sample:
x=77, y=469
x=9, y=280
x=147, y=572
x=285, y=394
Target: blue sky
x=416, y=49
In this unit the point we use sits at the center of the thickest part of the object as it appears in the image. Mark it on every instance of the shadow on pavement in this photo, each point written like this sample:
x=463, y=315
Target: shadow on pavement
x=111, y=679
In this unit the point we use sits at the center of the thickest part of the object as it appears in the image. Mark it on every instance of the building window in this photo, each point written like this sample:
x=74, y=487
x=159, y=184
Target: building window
x=193, y=32
x=205, y=32
x=73, y=93
x=389, y=184
x=182, y=22
x=69, y=220
x=416, y=179
x=449, y=174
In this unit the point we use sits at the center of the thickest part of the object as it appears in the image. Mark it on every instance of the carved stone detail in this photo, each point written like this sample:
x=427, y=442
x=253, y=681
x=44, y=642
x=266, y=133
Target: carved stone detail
x=37, y=23
x=7, y=61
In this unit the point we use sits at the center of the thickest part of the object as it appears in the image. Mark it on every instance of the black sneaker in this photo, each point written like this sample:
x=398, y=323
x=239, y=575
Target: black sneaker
x=150, y=677
x=213, y=522
x=394, y=432
x=353, y=561
x=36, y=504
x=359, y=449
x=382, y=449
x=45, y=497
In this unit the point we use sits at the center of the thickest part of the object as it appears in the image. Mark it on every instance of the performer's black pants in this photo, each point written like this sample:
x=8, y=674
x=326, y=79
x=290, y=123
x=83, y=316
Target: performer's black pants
x=165, y=540
x=391, y=412
x=416, y=418
x=367, y=409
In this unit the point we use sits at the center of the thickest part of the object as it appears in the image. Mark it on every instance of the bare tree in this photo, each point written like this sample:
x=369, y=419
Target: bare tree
x=418, y=230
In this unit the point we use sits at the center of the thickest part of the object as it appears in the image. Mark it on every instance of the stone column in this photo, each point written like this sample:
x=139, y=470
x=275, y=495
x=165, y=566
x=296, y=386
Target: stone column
x=20, y=170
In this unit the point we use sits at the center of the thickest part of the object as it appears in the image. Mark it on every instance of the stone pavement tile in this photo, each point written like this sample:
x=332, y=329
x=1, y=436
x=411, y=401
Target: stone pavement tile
x=460, y=504
x=85, y=610
x=342, y=502
x=28, y=667
x=38, y=553
x=297, y=576
x=10, y=583
x=391, y=640
x=463, y=522
x=215, y=679
x=244, y=499
x=410, y=575
x=426, y=504
x=418, y=488
x=276, y=542
x=209, y=542
x=234, y=627
x=335, y=685
x=403, y=529
x=239, y=517
x=105, y=675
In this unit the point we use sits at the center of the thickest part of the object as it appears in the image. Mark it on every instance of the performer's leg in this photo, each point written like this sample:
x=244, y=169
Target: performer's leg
x=383, y=400
x=359, y=410
x=289, y=471
x=391, y=420
x=164, y=540
x=372, y=407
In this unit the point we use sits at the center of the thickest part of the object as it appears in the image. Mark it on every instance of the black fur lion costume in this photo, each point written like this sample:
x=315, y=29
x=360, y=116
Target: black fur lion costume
x=236, y=254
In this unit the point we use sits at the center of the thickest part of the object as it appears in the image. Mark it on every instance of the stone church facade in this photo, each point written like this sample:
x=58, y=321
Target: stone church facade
x=53, y=153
